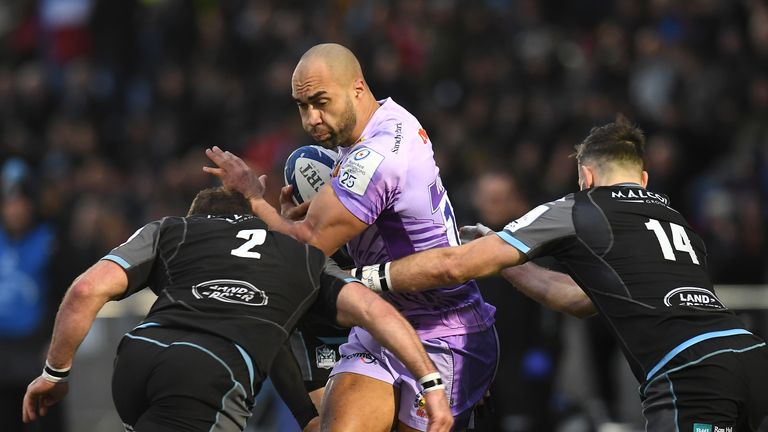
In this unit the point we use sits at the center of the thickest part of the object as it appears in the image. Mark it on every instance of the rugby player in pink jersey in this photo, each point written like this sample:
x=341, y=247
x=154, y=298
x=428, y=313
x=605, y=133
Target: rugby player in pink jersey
x=385, y=201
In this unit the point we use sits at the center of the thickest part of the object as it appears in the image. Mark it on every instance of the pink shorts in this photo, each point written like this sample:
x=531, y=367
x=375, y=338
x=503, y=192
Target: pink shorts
x=467, y=364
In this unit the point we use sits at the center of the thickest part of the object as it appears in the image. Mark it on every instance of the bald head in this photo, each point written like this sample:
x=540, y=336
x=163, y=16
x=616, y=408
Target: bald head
x=337, y=61
x=333, y=99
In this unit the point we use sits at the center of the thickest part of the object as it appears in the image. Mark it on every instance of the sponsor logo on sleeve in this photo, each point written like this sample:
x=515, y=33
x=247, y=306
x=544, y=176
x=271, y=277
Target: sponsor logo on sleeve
x=398, y=137
x=325, y=357
x=527, y=219
x=693, y=297
x=358, y=170
x=423, y=135
x=230, y=291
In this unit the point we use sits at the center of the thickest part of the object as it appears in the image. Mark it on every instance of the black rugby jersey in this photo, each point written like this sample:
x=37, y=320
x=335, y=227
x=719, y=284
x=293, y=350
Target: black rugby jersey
x=229, y=276
x=639, y=262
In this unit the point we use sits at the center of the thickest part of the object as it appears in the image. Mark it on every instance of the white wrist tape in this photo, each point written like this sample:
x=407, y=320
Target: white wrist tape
x=431, y=382
x=54, y=375
x=376, y=277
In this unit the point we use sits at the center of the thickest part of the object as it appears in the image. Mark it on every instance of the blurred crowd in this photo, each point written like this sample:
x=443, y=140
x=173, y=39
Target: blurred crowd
x=106, y=106
x=112, y=103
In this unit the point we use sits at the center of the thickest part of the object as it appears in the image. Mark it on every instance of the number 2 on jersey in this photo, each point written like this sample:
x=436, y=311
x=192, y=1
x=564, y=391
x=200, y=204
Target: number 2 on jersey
x=255, y=237
x=679, y=238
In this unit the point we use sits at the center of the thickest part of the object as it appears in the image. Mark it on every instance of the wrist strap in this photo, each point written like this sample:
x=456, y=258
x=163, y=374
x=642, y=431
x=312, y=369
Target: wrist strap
x=431, y=382
x=376, y=277
x=54, y=375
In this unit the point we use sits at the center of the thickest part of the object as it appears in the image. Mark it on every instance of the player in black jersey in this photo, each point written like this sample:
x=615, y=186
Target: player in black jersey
x=638, y=263
x=229, y=293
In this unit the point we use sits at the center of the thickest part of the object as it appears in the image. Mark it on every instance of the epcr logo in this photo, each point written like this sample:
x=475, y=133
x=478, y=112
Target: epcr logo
x=361, y=154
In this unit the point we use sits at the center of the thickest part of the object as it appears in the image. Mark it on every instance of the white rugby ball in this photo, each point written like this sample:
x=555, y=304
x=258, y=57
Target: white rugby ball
x=308, y=169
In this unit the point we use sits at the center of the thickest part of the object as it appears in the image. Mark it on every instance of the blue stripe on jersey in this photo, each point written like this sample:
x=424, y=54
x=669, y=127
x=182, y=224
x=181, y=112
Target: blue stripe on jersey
x=145, y=325
x=351, y=279
x=690, y=342
x=248, y=363
x=117, y=260
x=507, y=237
x=643, y=389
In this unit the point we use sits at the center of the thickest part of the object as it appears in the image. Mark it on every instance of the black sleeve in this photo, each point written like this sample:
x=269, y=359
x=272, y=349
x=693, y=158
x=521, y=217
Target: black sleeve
x=137, y=256
x=541, y=227
x=287, y=379
x=332, y=279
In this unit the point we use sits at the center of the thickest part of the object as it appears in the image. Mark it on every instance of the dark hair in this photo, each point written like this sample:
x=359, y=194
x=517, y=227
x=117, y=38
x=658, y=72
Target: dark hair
x=219, y=201
x=617, y=142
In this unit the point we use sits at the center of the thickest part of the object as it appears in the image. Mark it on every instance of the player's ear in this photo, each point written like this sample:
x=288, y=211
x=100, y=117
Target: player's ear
x=358, y=87
x=644, y=179
x=586, y=177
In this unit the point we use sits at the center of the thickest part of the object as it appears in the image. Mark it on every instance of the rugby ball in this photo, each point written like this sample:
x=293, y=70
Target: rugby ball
x=308, y=169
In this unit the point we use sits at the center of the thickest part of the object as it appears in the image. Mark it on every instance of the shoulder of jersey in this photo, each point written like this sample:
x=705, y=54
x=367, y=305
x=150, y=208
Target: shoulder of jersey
x=395, y=137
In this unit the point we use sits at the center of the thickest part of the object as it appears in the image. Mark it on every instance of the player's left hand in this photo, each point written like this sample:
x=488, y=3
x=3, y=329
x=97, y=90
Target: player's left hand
x=288, y=208
x=438, y=411
x=235, y=174
x=40, y=395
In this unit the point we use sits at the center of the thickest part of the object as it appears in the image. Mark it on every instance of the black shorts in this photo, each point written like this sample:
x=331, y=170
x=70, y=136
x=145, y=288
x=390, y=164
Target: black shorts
x=317, y=353
x=722, y=390
x=169, y=379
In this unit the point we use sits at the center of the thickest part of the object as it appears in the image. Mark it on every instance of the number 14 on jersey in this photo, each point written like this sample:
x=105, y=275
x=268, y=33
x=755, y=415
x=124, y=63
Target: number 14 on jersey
x=679, y=238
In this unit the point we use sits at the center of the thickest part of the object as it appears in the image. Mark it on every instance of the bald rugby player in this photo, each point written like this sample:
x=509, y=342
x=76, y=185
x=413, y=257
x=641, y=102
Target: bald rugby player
x=385, y=201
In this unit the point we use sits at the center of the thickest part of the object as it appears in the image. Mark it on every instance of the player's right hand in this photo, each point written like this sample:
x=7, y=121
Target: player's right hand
x=235, y=174
x=438, y=411
x=41, y=394
x=288, y=208
x=473, y=232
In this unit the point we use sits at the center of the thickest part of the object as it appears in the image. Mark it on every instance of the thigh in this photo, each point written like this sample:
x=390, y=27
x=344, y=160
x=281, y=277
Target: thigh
x=706, y=397
x=755, y=366
x=360, y=394
x=193, y=382
x=467, y=364
x=355, y=402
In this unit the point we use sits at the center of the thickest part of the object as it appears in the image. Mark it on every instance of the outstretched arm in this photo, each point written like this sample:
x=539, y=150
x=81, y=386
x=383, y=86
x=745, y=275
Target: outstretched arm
x=552, y=289
x=104, y=281
x=357, y=305
x=327, y=225
x=442, y=266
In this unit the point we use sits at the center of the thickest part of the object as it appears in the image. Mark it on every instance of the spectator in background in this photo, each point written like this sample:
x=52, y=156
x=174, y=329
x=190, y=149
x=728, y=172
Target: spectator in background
x=139, y=85
x=521, y=395
x=27, y=300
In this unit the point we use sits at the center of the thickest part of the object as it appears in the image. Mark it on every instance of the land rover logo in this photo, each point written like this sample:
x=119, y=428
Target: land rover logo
x=693, y=297
x=230, y=291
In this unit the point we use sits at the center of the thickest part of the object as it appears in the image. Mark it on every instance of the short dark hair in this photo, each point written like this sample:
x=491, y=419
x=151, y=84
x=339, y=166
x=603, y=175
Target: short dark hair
x=617, y=142
x=219, y=201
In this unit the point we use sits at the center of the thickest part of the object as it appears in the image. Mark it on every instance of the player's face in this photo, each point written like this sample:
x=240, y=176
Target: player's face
x=327, y=111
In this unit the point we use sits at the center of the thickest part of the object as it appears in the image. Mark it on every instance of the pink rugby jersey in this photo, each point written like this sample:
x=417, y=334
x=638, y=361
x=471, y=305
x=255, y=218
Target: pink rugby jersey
x=390, y=181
